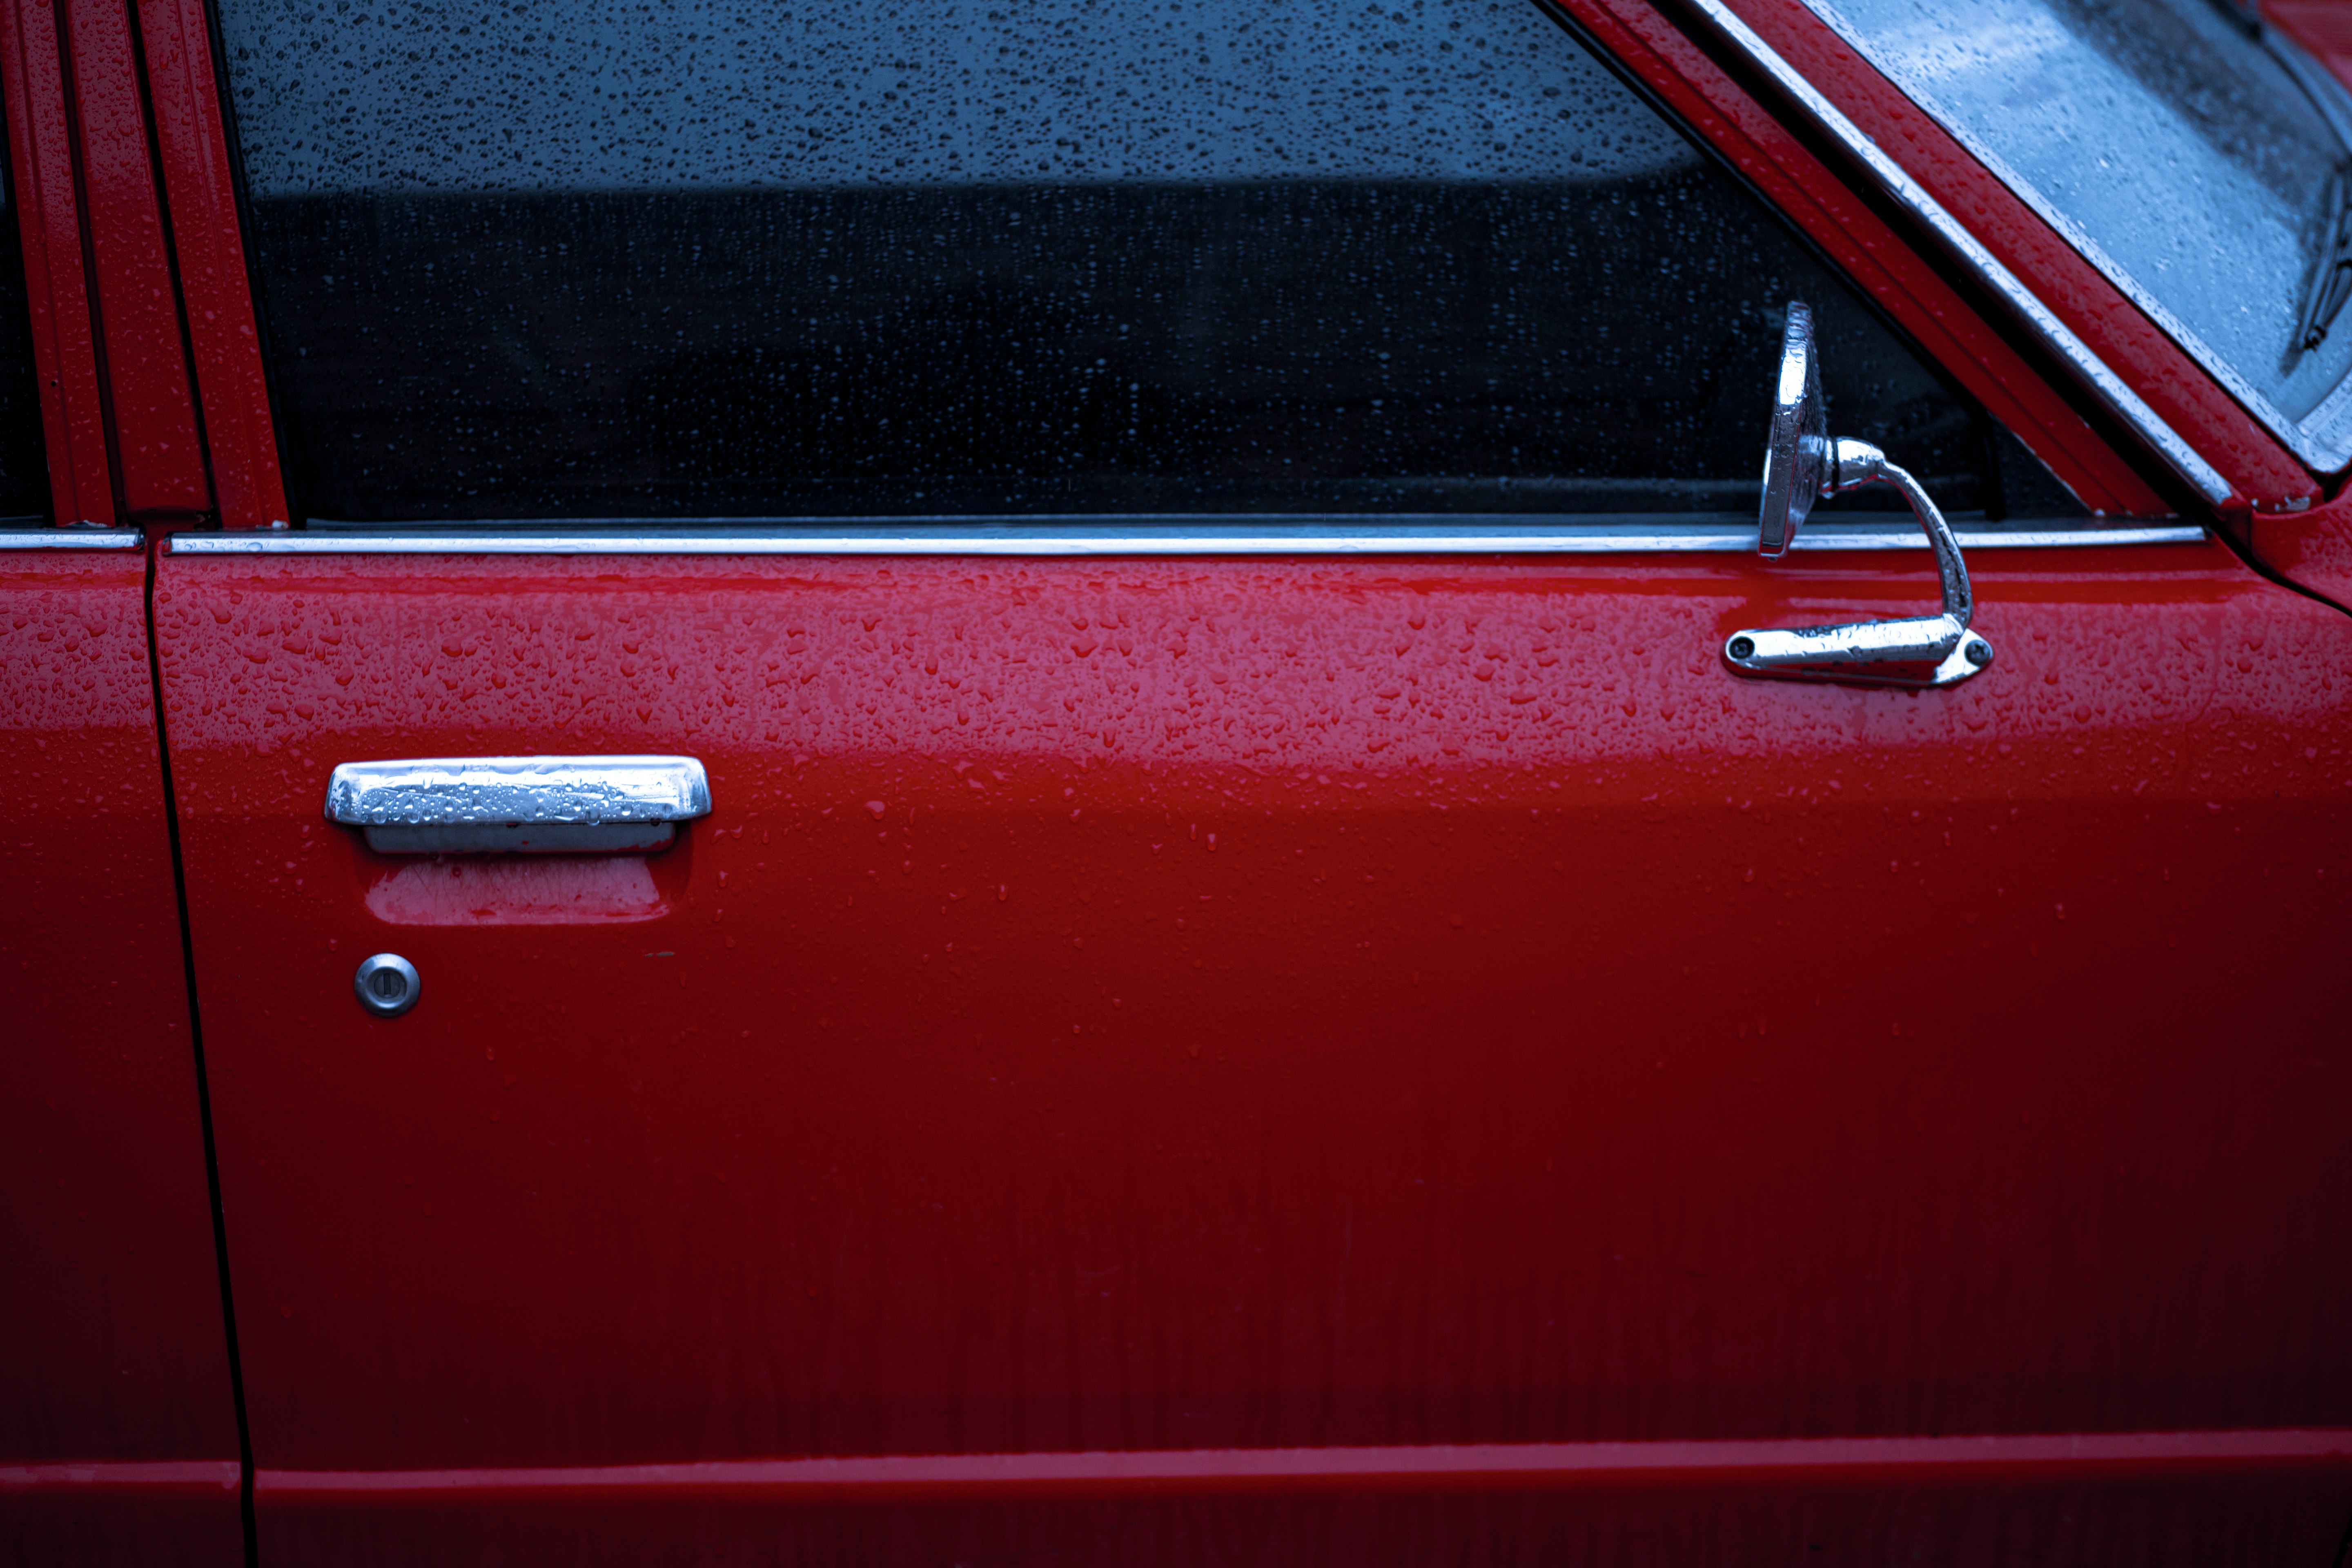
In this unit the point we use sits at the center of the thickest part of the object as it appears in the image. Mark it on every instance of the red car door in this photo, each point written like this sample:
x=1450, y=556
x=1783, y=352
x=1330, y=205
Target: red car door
x=1251, y=985
x=119, y=1437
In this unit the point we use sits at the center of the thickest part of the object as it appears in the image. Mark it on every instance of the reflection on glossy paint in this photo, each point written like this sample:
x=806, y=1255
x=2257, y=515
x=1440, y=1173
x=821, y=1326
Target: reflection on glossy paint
x=517, y=892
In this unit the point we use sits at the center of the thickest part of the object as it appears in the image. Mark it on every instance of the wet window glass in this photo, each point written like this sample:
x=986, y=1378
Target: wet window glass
x=727, y=259
x=2190, y=152
x=23, y=456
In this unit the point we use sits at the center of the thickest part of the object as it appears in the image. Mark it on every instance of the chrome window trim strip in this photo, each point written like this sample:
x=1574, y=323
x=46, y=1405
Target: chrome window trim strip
x=47, y=537
x=2110, y=388
x=2322, y=439
x=1734, y=539
x=2327, y=429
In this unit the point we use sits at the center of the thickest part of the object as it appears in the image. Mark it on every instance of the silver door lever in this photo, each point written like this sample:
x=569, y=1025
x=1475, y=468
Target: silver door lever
x=527, y=805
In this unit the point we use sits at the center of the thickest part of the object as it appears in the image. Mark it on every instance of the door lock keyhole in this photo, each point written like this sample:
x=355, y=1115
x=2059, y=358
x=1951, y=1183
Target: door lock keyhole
x=386, y=984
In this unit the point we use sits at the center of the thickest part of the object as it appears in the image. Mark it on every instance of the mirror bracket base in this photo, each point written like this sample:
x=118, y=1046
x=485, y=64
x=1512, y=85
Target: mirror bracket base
x=1954, y=654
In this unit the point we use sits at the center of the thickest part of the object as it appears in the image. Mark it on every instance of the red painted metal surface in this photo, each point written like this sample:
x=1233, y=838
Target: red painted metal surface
x=1218, y=1005
x=216, y=292
x=2136, y=348
x=32, y=89
x=2314, y=549
x=2322, y=26
x=1827, y=1522
x=164, y=1513
x=2129, y=1501
x=1909, y=288
x=160, y=458
x=116, y=1425
x=2069, y=1458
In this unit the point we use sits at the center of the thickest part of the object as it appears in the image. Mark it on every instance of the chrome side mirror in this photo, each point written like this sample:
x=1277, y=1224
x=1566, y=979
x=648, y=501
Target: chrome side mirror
x=1797, y=452
x=1801, y=465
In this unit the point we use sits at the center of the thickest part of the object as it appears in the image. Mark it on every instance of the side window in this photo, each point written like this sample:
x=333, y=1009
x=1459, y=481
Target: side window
x=24, y=454
x=721, y=259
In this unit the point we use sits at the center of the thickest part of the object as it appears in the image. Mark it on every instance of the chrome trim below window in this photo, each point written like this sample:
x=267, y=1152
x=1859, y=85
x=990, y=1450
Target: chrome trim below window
x=2110, y=388
x=47, y=537
x=969, y=539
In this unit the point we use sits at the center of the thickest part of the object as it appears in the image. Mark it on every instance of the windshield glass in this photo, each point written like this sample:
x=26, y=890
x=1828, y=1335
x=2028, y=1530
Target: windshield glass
x=2187, y=152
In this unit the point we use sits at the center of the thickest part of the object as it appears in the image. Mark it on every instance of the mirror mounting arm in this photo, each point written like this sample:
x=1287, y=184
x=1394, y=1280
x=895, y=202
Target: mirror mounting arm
x=1858, y=463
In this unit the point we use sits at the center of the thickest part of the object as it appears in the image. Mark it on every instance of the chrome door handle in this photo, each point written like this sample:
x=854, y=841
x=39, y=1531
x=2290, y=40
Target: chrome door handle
x=1802, y=464
x=528, y=805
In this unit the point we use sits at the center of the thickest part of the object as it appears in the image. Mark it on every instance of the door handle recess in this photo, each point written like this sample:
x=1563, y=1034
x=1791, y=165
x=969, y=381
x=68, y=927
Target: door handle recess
x=1801, y=466
x=518, y=805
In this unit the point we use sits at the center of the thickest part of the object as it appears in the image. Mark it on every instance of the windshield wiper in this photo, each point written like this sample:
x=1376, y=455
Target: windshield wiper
x=2333, y=286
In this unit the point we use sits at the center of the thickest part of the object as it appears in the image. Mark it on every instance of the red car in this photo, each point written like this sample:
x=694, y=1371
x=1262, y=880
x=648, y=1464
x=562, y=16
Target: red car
x=1029, y=783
